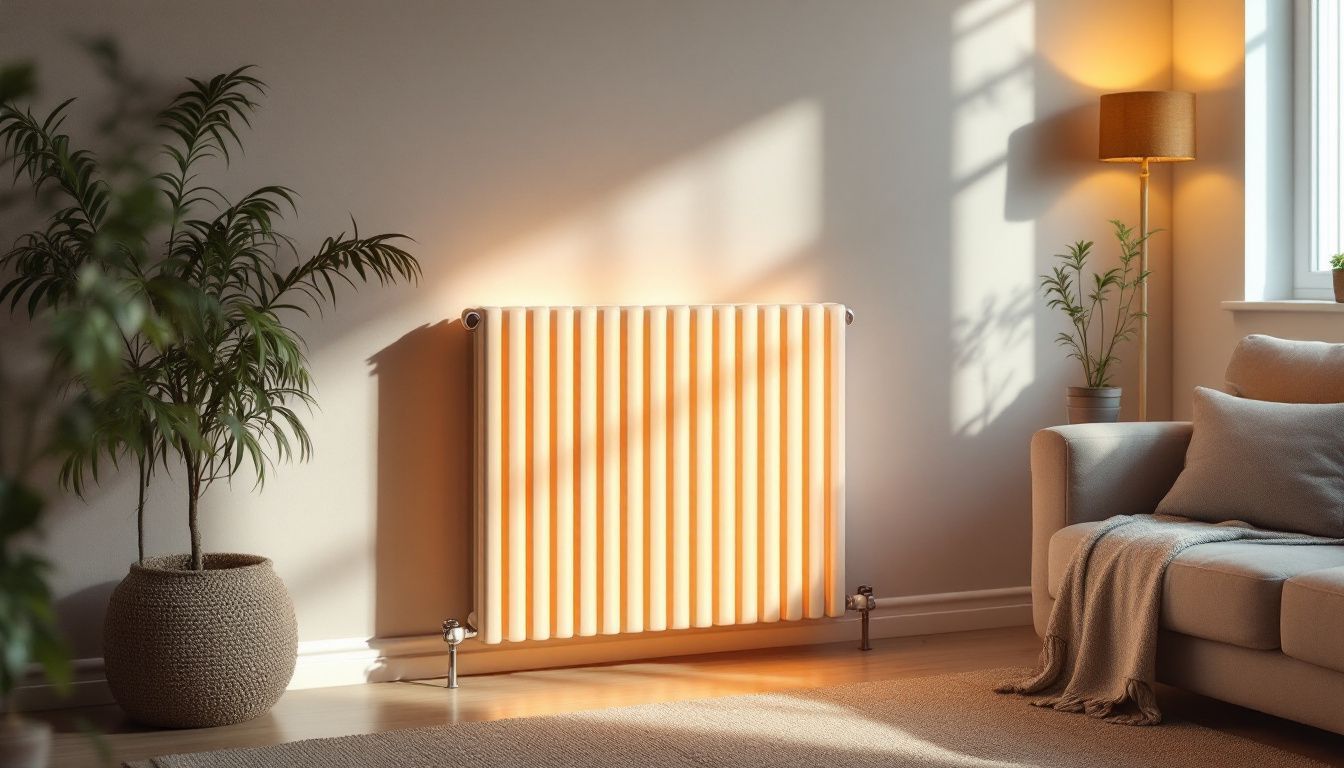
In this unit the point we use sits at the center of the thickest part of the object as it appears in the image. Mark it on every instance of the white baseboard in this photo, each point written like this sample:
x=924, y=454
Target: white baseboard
x=353, y=661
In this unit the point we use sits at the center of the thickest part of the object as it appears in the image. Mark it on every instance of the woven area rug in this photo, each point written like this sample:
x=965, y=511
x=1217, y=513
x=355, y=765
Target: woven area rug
x=950, y=720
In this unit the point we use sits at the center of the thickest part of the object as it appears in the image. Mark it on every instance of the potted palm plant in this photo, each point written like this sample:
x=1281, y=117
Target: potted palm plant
x=198, y=638
x=1337, y=273
x=1089, y=339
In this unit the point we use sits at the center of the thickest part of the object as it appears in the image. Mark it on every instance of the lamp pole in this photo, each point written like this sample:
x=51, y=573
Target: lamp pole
x=1145, y=127
x=1143, y=288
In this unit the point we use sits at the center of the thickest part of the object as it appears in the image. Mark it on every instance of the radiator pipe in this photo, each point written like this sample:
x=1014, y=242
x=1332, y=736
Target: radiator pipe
x=863, y=602
x=454, y=632
x=471, y=317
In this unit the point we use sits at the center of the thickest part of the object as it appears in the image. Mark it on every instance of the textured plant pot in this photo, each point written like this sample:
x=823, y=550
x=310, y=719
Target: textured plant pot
x=1093, y=405
x=1338, y=275
x=24, y=743
x=194, y=649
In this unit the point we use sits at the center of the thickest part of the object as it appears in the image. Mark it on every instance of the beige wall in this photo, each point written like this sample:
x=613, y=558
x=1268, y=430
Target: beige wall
x=1208, y=202
x=1214, y=261
x=919, y=161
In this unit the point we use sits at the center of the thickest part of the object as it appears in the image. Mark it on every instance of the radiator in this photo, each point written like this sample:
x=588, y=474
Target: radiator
x=651, y=468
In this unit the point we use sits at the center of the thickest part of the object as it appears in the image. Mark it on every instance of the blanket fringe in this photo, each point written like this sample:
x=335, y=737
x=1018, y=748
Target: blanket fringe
x=1137, y=692
x=1054, y=652
x=1141, y=695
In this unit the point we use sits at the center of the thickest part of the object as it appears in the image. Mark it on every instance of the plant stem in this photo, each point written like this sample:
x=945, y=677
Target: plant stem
x=1083, y=323
x=193, y=509
x=140, y=513
x=1121, y=317
x=1100, y=374
x=1124, y=305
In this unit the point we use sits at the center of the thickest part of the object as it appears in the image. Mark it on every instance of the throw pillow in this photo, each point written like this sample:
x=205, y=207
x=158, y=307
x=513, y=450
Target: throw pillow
x=1274, y=465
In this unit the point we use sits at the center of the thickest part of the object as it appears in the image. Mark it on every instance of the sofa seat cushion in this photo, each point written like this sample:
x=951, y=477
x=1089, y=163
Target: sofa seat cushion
x=1313, y=618
x=1230, y=592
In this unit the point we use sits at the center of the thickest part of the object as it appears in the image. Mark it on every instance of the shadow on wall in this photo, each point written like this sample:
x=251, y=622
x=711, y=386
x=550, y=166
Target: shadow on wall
x=78, y=610
x=1049, y=155
x=424, y=452
x=1003, y=322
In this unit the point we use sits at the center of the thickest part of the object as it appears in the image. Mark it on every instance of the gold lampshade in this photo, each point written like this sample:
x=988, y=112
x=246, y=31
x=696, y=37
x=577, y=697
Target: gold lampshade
x=1158, y=126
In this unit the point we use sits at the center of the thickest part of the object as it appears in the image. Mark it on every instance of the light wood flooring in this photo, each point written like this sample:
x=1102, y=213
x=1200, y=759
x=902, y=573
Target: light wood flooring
x=391, y=706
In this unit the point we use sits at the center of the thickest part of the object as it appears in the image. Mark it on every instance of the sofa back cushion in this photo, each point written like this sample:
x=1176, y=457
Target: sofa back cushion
x=1285, y=371
x=1274, y=465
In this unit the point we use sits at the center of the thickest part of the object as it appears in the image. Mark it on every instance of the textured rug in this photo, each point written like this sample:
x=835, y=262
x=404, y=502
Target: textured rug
x=950, y=720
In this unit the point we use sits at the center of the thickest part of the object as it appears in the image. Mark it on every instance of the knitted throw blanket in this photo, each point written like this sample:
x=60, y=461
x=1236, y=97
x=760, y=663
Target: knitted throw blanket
x=1100, y=650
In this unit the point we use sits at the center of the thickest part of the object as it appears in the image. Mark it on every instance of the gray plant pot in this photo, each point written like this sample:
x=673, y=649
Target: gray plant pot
x=24, y=743
x=194, y=649
x=1093, y=405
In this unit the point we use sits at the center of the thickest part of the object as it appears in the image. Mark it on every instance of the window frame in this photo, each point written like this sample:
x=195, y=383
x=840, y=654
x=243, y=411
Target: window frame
x=1309, y=281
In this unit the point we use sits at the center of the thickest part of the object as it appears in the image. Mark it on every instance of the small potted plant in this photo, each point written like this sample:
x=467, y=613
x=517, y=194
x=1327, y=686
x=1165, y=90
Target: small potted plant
x=1337, y=272
x=198, y=638
x=1095, y=334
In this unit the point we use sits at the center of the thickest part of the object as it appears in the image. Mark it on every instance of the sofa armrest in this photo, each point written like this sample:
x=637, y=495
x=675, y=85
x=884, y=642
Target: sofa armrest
x=1088, y=472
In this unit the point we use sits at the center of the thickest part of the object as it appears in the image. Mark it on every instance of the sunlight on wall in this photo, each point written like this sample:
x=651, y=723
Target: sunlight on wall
x=993, y=264
x=1203, y=55
x=1213, y=189
x=1103, y=46
x=300, y=502
x=730, y=216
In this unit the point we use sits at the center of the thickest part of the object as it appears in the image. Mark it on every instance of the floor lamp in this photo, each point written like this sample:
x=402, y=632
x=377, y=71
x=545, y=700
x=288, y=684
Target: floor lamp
x=1146, y=127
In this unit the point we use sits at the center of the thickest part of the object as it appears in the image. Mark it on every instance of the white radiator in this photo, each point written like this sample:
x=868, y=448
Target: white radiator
x=650, y=468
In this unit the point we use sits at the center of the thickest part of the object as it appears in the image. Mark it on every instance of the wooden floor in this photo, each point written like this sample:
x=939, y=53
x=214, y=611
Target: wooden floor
x=390, y=706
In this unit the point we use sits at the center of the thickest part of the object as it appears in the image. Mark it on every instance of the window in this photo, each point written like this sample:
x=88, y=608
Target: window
x=1319, y=144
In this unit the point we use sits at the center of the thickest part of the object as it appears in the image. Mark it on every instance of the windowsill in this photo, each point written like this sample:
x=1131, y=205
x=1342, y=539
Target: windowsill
x=1284, y=305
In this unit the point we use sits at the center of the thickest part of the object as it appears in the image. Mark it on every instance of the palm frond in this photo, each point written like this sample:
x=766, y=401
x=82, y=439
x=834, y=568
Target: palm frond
x=200, y=121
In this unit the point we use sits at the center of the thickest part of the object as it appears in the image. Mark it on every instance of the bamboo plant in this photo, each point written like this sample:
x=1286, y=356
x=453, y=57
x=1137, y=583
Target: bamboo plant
x=1067, y=288
x=215, y=382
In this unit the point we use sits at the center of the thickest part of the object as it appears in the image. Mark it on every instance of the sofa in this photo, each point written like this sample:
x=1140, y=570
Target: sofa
x=1257, y=625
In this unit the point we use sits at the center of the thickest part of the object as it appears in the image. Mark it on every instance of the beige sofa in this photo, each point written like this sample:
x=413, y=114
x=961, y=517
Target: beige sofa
x=1257, y=625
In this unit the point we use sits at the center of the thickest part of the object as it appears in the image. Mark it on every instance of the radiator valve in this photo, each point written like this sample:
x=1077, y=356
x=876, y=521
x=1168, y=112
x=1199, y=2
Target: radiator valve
x=863, y=602
x=454, y=632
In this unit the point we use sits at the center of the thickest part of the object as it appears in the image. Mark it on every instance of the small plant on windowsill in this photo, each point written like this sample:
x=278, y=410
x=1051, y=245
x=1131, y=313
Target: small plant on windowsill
x=1337, y=272
x=1097, y=331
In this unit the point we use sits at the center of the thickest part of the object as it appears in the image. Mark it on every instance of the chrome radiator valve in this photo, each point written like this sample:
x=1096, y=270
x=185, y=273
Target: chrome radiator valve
x=454, y=632
x=863, y=602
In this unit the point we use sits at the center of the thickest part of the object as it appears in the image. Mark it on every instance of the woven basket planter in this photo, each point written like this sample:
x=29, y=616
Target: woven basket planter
x=195, y=649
